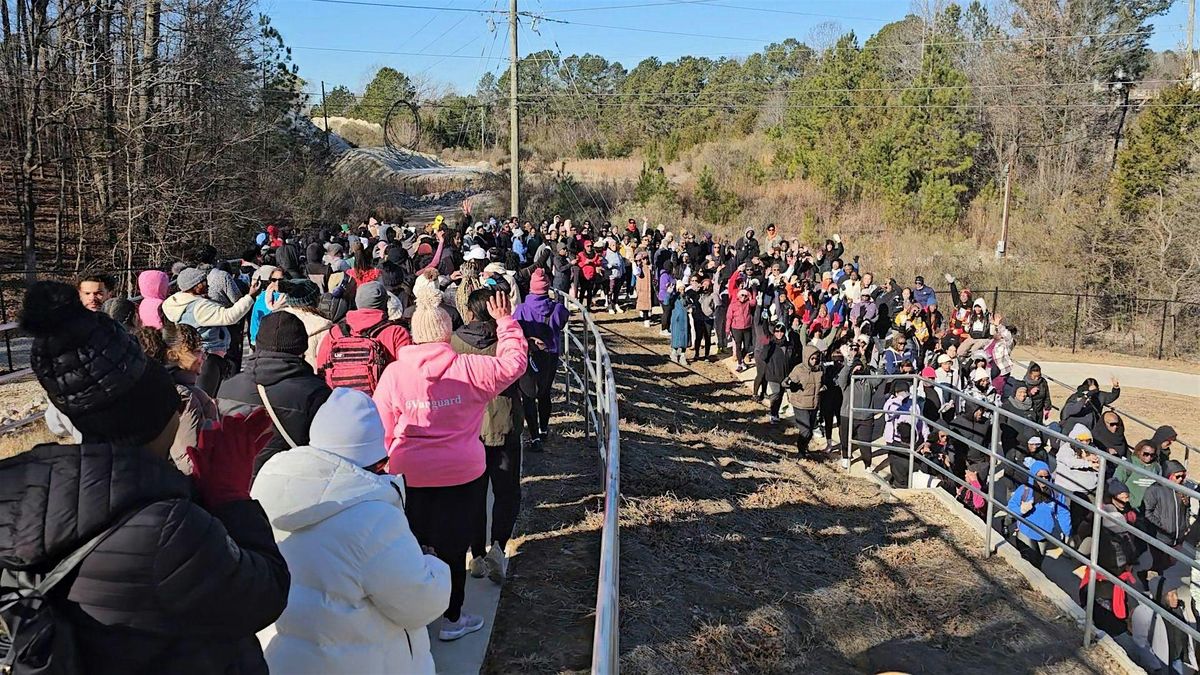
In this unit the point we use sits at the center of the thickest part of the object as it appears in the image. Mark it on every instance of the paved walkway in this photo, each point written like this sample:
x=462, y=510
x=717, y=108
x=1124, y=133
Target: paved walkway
x=1169, y=381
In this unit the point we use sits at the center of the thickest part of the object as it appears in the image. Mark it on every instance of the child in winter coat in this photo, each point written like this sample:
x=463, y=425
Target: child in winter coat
x=362, y=591
x=804, y=387
x=1037, y=502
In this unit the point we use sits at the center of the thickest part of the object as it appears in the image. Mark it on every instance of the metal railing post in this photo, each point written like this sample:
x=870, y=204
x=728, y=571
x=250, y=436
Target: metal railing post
x=7, y=334
x=583, y=390
x=565, y=350
x=991, y=485
x=1162, y=330
x=1089, y=623
x=912, y=431
x=847, y=444
x=1075, y=330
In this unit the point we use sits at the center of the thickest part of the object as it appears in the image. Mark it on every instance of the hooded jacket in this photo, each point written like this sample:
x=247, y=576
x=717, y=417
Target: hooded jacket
x=1045, y=514
x=209, y=318
x=1085, y=407
x=1137, y=483
x=1040, y=400
x=294, y=391
x=176, y=589
x=1071, y=472
x=154, y=286
x=1164, y=511
x=503, y=413
x=362, y=592
x=803, y=384
x=432, y=403
x=542, y=318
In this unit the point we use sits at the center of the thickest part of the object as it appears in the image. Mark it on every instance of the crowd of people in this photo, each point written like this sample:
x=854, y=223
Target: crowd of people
x=320, y=420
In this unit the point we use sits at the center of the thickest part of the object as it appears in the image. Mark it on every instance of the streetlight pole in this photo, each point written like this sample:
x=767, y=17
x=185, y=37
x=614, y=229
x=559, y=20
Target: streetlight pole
x=513, y=122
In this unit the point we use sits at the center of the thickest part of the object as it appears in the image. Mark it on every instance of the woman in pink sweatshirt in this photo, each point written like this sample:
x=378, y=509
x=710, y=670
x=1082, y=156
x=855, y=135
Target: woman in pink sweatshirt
x=432, y=403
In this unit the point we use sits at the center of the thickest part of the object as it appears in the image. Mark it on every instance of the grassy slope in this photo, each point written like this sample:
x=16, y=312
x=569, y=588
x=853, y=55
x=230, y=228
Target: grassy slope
x=736, y=557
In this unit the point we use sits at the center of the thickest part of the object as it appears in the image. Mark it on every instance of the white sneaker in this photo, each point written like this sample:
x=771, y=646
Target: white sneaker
x=478, y=567
x=665, y=332
x=611, y=310
x=646, y=323
x=466, y=624
x=845, y=464
x=497, y=564
x=619, y=310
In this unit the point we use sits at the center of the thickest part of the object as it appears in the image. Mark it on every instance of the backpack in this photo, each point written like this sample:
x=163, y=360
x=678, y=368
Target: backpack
x=356, y=361
x=37, y=639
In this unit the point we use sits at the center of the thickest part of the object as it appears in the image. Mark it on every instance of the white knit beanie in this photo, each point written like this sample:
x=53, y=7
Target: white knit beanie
x=430, y=323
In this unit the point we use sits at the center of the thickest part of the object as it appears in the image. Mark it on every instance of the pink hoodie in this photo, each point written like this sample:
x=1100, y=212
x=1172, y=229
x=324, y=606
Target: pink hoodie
x=154, y=286
x=432, y=401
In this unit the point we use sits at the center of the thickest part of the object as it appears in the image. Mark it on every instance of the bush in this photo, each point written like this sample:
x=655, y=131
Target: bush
x=653, y=185
x=715, y=205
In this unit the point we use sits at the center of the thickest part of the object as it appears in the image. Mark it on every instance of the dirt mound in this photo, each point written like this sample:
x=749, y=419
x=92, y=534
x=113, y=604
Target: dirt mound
x=736, y=557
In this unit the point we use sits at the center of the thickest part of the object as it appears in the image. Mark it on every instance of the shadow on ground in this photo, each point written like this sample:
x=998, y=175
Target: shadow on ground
x=737, y=557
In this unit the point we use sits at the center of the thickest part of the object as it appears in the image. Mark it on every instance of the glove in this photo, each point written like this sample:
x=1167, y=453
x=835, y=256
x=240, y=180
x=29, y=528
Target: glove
x=949, y=278
x=223, y=458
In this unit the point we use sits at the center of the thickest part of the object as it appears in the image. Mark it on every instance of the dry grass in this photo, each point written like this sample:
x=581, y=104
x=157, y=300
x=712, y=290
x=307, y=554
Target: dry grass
x=24, y=439
x=1040, y=353
x=738, y=558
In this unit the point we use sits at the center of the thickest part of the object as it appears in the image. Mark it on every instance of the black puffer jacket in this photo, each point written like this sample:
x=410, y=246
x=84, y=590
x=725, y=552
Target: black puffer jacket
x=176, y=589
x=294, y=391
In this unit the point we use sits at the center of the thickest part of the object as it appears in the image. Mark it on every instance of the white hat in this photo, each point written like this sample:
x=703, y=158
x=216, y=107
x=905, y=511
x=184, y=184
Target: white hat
x=348, y=426
x=1034, y=440
x=944, y=358
x=980, y=374
x=476, y=252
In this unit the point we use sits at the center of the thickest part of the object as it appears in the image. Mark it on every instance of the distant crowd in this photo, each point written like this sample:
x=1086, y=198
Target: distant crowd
x=318, y=423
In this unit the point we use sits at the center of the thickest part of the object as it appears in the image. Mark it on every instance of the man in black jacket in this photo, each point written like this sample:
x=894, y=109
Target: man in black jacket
x=293, y=391
x=182, y=586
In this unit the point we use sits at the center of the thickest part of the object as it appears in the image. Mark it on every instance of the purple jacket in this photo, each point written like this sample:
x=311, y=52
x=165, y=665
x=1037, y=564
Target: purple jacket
x=666, y=284
x=542, y=318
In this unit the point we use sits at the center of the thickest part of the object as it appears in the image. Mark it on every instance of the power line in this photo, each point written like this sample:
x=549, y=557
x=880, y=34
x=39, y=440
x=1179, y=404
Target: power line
x=369, y=3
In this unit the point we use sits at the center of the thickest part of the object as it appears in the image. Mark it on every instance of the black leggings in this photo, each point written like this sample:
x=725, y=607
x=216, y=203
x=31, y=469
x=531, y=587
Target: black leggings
x=703, y=334
x=537, y=406
x=667, y=307
x=504, y=473
x=446, y=518
x=742, y=342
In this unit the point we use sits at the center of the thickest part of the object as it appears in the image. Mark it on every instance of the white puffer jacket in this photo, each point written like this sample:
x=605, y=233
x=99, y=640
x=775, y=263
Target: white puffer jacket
x=362, y=592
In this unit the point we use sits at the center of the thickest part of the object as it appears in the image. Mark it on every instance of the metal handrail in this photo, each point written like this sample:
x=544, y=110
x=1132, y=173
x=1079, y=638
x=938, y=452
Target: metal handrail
x=599, y=410
x=1187, y=447
x=995, y=455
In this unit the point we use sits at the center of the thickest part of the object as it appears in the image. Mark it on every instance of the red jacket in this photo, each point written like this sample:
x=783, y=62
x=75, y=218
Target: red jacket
x=391, y=338
x=589, y=265
x=740, y=314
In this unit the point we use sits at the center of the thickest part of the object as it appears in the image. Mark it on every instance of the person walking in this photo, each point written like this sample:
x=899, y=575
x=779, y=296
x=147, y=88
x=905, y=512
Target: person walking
x=191, y=306
x=501, y=436
x=432, y=404
x=804, y=388
x=183, y=571
x=542, y=319
x=362, y=591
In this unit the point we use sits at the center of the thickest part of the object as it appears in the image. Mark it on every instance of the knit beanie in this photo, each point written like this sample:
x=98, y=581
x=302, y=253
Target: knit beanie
x=301, y=293
x=282, y=332
x=371, y=295
x=348, y=425
x=430, y=323
x=94, y=371
x=538, y=285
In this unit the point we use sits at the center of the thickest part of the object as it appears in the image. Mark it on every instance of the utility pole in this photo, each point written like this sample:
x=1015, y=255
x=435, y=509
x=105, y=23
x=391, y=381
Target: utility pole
x=1192, y=65
x=514, y=126
x=325, y=114
x=482, y=128
x=1002, y=249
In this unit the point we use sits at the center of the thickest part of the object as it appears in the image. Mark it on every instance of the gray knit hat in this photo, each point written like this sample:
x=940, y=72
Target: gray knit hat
x=190, y=278
x=371, y=295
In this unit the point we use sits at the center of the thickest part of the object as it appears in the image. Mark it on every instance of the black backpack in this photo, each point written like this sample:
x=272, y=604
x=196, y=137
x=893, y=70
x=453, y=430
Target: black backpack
x=35, y=637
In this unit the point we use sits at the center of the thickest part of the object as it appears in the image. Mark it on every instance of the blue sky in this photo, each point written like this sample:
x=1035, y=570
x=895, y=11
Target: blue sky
x=456, y=47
